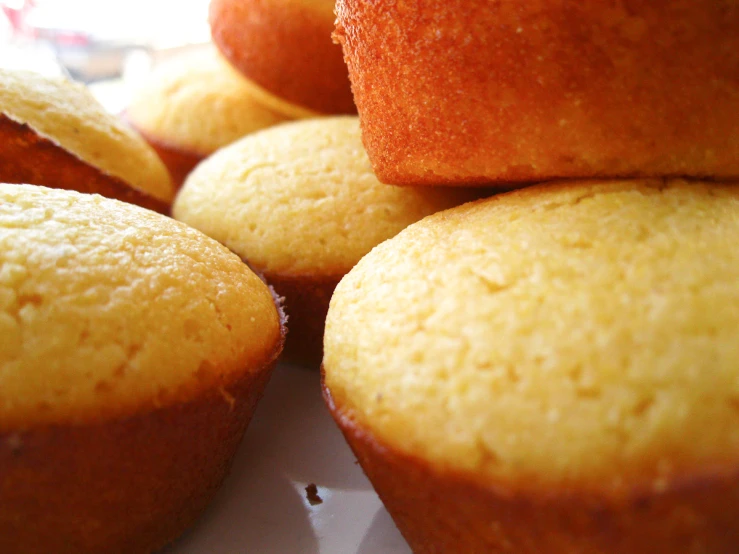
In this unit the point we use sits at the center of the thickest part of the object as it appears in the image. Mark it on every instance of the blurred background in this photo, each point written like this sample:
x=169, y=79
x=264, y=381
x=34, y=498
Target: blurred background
x=108, y=44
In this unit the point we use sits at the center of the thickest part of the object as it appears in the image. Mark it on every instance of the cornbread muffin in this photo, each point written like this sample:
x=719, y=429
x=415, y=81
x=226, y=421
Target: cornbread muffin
x=460, y=91
x=285, y=46
x=197, y=103
x=300, y=204
x=54, y=133
x=552, y=370
x=133, y=352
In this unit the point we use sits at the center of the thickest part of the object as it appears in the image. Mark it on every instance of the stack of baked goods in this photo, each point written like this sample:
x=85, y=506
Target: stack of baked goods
x=135, y=348
x=554, y=369
x=299, y=202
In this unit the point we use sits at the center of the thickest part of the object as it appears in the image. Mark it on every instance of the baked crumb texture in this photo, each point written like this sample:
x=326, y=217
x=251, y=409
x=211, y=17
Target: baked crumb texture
x=299, y=202
x=460, y=91
x=550, y=370
x=133, y=352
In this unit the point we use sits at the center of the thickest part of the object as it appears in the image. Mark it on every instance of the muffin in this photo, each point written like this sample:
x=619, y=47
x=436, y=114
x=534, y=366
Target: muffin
x=455, y=92
x=285, y=46
x=300, y=204
x=194, y=104
x=54, y=133
x=552, y=370
x=134, y=350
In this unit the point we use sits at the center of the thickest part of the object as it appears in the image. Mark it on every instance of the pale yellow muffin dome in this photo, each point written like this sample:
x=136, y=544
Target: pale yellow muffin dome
x=301, y=198
x=300, y=204
x=67, y=114
x=198, y=103
x=578, y=337
x=107, y=309
x=134, y=351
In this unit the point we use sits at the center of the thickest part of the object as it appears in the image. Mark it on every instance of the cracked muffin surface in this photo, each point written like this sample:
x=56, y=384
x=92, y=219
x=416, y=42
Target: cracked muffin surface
x=299, y=202
x=108, y=309
x=579, y=335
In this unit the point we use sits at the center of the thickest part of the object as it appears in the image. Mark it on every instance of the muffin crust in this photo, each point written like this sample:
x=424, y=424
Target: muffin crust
x=455, y=92
x=285, y=47
x=566, y=351
x=64, y=113
x=134, y=351
x=300, y=204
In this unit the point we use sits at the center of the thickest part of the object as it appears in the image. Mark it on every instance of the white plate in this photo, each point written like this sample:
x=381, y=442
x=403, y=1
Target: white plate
x=263, y=507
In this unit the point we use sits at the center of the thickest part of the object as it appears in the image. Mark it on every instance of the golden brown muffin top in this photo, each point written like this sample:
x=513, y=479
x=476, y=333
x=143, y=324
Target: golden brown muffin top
x=286, y=47
x=301, y=198
x=107, y=309
x=198, y=103
x=325, y=7
x=67, y=114
x=474, y=91
x=576, y=335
